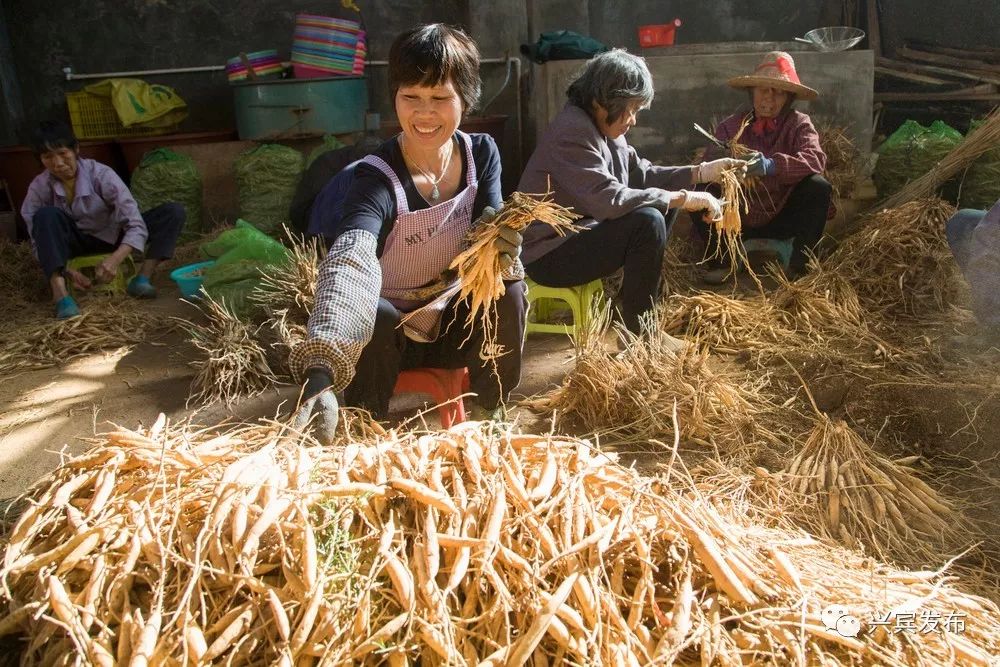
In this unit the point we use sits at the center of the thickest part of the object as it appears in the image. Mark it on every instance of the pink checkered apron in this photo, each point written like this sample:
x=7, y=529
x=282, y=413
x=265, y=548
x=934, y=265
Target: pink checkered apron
x=422, y=245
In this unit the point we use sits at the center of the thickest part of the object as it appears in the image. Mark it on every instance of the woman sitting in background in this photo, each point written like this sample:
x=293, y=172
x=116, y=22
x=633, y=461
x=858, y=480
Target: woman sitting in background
x=790, y=198
x=628, y=204
x=80, y=207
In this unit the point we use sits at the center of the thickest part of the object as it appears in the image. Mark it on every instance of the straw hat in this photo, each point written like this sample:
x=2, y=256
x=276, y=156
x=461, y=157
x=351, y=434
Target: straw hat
x=777, y=70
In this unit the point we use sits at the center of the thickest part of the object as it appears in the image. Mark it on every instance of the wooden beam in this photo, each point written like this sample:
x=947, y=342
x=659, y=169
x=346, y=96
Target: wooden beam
x=910, y=76
x=950, y=61
x=932, y=70
x=874, y=32
x=950, y=96
x=979, y=52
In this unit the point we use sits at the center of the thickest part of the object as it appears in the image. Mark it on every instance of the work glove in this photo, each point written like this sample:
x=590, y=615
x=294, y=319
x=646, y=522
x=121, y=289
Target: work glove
x=758, y=165
x=318, y=403
x=711, y=172
x=507, y=243
x=696, y=200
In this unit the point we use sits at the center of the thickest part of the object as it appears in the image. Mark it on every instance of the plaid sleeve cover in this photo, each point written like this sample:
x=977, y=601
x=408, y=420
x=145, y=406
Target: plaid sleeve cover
x=343, y=318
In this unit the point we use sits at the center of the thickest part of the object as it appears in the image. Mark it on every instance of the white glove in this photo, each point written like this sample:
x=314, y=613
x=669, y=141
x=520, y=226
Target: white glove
x=696, y=200
x=711, y=172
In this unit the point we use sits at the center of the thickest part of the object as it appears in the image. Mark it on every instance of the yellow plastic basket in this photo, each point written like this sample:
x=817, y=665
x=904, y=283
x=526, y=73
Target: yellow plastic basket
x=93, y=117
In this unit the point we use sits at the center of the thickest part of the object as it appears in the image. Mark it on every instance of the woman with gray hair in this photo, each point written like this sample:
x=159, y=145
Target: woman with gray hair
x=628, y=204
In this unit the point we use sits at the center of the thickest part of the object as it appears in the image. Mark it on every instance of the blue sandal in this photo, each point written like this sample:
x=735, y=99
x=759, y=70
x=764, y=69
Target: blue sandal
x=66, y=308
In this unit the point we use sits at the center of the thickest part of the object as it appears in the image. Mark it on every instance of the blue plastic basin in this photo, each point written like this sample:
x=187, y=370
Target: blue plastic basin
x=188, y=278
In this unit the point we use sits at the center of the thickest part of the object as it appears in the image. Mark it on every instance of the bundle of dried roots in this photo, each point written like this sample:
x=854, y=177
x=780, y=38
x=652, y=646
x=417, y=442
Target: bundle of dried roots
x=233, y=364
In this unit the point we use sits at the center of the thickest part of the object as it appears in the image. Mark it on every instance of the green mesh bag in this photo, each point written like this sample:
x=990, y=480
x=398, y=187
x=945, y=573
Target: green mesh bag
x=912, y=151
x=165, y=176
x=266, y=177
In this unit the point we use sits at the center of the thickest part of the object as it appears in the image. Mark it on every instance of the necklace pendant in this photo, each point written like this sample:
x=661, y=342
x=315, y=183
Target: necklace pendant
x=435, y=193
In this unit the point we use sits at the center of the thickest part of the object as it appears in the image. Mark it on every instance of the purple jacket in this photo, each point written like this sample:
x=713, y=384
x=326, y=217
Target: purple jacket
x=102, y=205
x=599, y=178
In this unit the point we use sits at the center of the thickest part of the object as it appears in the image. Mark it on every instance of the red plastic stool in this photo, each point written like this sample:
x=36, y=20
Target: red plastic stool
x=444, y=385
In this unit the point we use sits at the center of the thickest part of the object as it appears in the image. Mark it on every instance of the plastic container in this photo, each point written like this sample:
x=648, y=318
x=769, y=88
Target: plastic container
x=268, y=110
x=326, y=46
x=189, y=278
x=659, y=34
x=94, y=117
x=834, y=38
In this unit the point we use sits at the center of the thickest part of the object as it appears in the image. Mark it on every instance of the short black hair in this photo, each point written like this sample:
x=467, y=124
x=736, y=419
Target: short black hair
x=51, y=135
x=614, y=80
x=432, y=54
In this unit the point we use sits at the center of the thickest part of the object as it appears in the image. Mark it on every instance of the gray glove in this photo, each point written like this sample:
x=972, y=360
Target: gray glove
x=508, y=243
x=318, y=405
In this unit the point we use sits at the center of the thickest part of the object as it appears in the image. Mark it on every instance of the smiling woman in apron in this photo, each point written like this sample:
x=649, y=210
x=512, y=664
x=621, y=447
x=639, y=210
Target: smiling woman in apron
x=406, y=217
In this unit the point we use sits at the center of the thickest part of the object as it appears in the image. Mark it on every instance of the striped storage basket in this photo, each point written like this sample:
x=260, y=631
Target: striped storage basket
x=264, y=63
x=325, y=46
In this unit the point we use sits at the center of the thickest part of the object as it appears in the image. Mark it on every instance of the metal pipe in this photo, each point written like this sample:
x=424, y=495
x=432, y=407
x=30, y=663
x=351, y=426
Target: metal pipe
x=70, y=75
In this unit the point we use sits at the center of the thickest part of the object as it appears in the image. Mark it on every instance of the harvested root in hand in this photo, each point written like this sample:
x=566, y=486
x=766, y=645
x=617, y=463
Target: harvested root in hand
x=729, y=228
x=286, y=294
x=478, y=267
x=234, y=365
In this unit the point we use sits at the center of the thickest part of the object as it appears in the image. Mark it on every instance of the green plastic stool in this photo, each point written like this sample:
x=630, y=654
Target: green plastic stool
x=85, y=264
x=579, y=300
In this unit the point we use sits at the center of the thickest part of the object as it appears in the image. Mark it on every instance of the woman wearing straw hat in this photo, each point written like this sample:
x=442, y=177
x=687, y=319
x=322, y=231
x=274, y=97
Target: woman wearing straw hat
x=405, y=217
x=628, y=204
x=791, y=198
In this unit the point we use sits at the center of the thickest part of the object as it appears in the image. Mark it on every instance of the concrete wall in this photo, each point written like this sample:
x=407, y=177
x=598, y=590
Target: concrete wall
x=690, y=88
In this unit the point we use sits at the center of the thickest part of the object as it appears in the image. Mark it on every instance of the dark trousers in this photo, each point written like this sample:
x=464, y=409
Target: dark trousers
x=58, y=239
x=803, y=217
x=635, y=241
x=390, y=352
